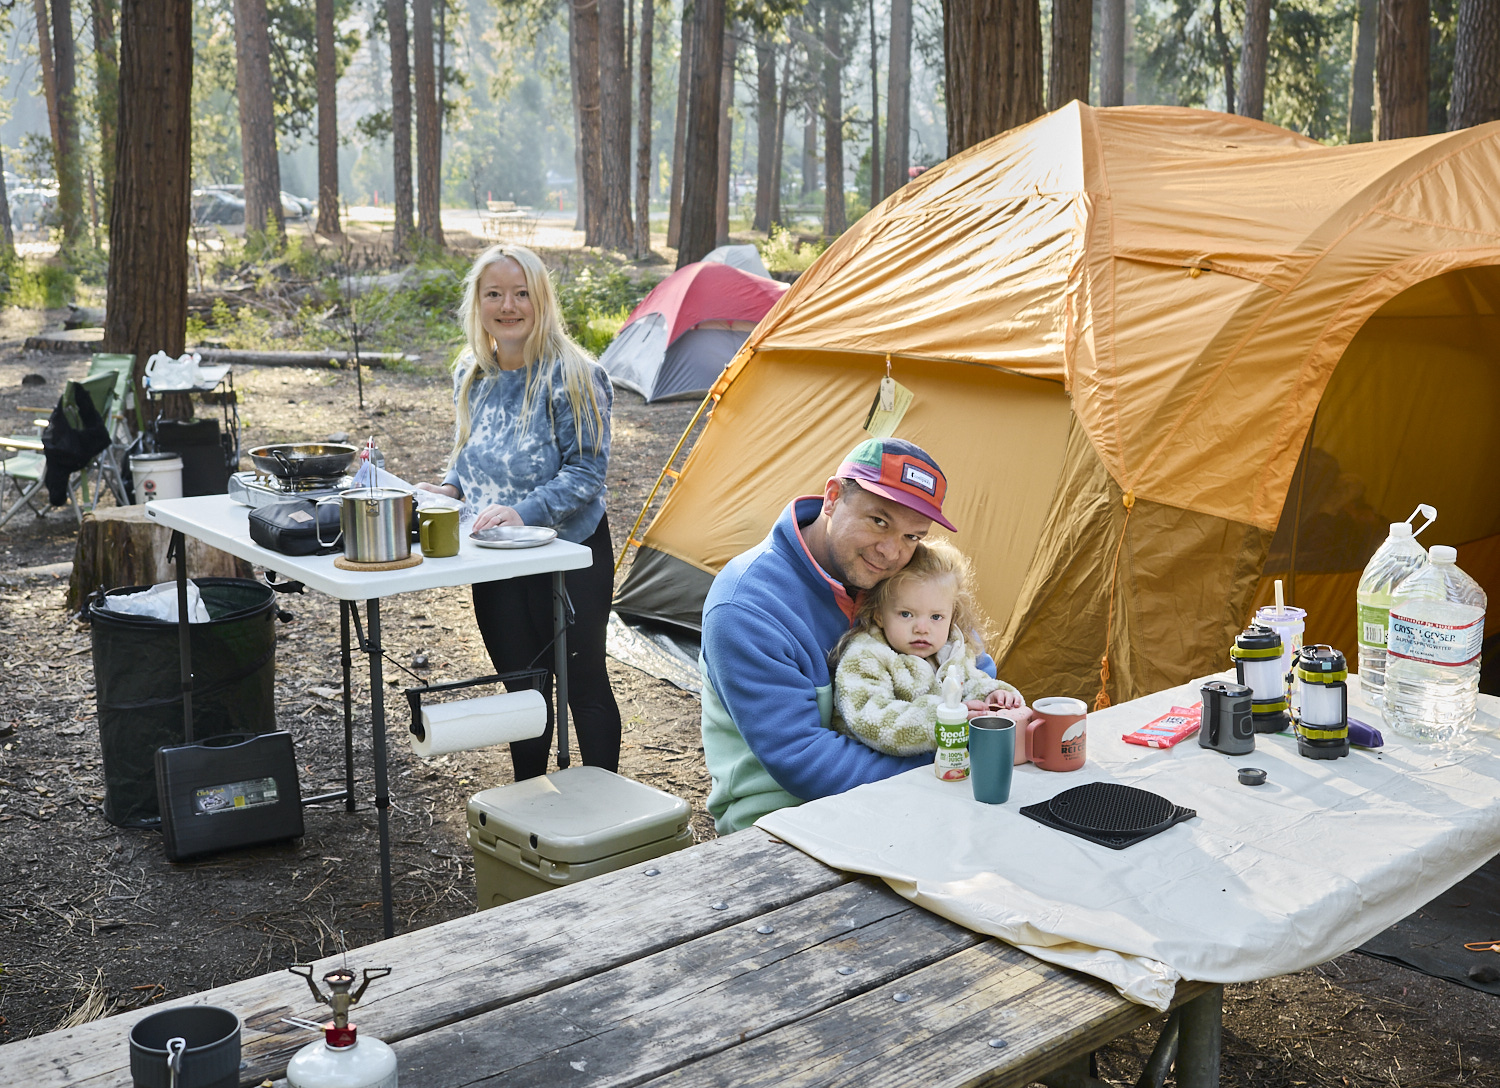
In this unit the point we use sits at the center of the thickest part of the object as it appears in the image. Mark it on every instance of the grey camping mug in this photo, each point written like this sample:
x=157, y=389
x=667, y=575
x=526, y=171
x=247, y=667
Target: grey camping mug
x=202, y=1040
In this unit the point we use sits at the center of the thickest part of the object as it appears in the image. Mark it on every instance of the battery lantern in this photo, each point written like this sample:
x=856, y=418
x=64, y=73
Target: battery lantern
x=1322, y=702
x=1257, y=665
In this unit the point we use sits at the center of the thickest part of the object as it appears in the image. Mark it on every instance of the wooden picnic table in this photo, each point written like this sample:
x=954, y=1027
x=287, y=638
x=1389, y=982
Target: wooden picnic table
x=740, y=961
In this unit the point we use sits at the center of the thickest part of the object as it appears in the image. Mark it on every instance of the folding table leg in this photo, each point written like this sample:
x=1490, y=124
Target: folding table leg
x=347, y=658
x=382, y=796
x=560, y=664
x=1201, y=1040
x=177, y=550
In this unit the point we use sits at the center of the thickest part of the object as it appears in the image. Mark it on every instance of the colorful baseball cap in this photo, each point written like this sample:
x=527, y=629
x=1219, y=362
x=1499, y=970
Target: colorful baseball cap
x=899, y=471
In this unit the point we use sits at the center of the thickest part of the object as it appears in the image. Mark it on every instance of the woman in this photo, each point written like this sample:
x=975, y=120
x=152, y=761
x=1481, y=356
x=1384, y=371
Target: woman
x=531, y=448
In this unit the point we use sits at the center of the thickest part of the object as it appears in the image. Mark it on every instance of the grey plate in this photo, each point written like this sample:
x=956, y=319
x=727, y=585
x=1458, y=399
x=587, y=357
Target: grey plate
x=514, y=536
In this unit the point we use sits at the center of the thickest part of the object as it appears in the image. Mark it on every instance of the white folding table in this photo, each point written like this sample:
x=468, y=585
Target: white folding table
x=219, y=521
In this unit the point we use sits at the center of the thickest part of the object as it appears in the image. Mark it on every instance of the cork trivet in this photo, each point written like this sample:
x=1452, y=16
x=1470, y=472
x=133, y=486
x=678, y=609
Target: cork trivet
x=394, y=564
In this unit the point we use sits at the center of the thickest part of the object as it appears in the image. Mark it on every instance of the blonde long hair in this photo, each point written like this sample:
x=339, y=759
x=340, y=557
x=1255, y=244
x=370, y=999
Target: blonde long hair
x=935, y=558
x=549, y=351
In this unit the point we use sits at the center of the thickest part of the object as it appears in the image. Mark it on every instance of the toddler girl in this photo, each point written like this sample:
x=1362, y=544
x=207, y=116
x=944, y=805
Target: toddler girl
x=909, y=633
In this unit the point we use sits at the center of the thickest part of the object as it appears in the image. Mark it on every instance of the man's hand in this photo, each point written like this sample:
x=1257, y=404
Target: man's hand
x=496, y=515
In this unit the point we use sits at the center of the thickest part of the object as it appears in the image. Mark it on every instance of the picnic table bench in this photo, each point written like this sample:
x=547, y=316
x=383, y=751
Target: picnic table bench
x=739, y=961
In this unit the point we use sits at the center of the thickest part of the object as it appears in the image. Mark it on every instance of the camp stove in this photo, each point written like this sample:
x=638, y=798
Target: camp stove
x=256, y=489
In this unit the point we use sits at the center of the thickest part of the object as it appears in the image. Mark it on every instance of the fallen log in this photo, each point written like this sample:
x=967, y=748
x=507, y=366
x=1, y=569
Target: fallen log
x=120, y=546
x=81, y=341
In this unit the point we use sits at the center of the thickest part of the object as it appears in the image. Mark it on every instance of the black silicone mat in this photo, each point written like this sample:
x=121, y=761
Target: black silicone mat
x=1109, y=814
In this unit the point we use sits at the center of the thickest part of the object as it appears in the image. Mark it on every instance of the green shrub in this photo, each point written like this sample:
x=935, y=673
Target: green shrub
x=37, y=285
x=784, y=252
x=595, y=306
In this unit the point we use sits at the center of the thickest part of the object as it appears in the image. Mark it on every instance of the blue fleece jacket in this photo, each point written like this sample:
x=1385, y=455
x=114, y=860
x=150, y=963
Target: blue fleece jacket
x=770, y=619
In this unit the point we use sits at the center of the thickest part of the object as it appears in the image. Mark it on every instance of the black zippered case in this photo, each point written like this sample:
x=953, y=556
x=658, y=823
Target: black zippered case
x=291, y=528
x=228, y=792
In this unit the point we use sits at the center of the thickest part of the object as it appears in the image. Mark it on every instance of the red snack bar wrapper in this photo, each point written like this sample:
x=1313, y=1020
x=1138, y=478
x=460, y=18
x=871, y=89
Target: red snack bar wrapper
x=1178, y=724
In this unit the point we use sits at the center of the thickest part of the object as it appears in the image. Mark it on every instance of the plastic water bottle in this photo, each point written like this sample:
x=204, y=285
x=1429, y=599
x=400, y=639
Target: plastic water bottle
x=1399, y=557
x=1436, y=631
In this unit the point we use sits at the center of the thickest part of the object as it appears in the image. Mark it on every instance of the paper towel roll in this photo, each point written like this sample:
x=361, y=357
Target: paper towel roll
x=478, y=723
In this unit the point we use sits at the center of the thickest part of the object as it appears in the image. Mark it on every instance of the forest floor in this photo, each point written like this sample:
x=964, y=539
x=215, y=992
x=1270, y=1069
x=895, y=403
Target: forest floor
x=94, y=919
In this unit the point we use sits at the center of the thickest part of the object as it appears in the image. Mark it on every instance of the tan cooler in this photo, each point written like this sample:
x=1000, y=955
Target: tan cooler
x=567, y=826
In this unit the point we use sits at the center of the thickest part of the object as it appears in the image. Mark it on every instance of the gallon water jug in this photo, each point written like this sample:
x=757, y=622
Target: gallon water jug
x=1436, y=631
x=1392, y=562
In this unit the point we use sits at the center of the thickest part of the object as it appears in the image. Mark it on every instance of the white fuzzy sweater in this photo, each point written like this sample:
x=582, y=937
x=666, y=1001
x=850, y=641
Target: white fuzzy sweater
x=889, y=701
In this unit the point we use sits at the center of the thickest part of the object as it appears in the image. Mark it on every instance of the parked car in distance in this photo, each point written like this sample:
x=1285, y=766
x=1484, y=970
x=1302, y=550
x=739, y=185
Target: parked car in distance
x=216, y=207
x=292, y=205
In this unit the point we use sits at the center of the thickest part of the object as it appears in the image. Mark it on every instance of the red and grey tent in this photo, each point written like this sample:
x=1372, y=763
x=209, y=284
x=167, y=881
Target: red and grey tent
x=681, y=336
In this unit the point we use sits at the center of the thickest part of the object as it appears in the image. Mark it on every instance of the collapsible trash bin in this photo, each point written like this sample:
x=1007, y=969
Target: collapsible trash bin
x=549, y=832
x=138, y=685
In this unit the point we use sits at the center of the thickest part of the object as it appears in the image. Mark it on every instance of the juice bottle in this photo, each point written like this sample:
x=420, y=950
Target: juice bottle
x=951, y=763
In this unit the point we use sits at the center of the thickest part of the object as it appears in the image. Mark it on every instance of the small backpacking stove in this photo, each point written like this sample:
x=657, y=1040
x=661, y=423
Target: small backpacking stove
x=255, y=489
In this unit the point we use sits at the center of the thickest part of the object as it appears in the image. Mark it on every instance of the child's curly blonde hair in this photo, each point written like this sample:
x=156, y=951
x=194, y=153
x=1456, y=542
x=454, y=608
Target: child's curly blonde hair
x=932, y=559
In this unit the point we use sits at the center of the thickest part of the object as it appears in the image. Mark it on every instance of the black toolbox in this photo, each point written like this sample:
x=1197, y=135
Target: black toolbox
x=230, y=791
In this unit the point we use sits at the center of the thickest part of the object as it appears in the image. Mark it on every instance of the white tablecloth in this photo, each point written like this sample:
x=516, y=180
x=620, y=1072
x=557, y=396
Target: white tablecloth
x=1266, y=879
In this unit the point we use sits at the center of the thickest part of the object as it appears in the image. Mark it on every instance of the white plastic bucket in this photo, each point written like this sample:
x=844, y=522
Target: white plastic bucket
x=156, y=475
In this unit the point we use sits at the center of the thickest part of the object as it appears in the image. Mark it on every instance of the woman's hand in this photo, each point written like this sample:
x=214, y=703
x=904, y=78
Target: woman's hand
x=494, y=515
x=440, y=489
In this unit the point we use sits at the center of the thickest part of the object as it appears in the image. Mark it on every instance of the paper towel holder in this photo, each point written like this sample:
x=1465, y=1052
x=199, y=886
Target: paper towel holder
x=514, y=681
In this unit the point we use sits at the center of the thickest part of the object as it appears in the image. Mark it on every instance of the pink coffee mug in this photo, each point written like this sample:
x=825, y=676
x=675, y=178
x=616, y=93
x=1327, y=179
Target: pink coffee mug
x=1055, y=736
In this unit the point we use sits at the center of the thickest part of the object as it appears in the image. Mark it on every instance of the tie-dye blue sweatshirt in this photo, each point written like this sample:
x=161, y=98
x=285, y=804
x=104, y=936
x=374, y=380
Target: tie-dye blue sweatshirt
x=540, y=465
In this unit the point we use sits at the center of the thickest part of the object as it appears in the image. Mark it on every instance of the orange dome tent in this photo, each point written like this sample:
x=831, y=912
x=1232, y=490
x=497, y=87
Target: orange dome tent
x=1163, y=355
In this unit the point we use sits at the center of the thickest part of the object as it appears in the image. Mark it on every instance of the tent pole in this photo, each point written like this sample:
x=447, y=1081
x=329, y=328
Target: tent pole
x=1307, y=446
x=665, y=472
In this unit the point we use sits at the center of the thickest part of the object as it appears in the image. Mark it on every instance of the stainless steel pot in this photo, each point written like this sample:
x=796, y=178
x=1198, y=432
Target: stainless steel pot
x=375, y=524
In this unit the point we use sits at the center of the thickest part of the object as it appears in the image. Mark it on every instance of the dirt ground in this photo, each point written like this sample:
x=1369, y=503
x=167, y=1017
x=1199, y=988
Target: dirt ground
x=94, y=920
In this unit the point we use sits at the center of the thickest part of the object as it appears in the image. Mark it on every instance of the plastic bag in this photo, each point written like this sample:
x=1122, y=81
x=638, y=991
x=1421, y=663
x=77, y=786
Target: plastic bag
x=160, y=603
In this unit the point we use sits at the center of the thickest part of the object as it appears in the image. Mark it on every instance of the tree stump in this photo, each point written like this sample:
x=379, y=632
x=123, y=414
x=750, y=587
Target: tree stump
x=121, y=546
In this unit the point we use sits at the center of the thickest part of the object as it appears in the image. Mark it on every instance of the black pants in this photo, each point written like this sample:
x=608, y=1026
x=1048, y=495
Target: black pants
x=515, y=619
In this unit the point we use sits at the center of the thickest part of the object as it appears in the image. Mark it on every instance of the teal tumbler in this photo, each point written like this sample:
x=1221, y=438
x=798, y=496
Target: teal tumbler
x=992, y=757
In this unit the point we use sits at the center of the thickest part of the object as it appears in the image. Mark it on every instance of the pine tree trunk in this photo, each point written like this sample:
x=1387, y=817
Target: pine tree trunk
x=7, y=232
x=429, y=126
x=575, y=78
x=700, y=183
x=68, y=153
x=877, y=168
x=1401, y=69
x=726, y=136
x=1226, y=56
x=1253, y=52
x=586, y=26
x=643, y=160
x=1362, y=73
x=146, y=300
x=257, y=119
x=679, y=132
x=994, y=67
x=1476, y=65
x=49, y=75
x=406, y=227
x=328, y=123
x=614, y=127
x=898, y=98
x=810, y=153
x=778, y=143
x=765, y=128
x=835, y=217
x=1111, y=55
x=106, y=92
x=1072, y=46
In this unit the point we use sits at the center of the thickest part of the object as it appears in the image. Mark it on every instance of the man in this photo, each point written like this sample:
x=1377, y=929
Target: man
x=774, y=613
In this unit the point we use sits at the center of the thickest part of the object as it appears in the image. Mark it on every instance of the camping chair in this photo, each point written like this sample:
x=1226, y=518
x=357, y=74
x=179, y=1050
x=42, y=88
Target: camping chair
x=25, y=470
x=121, y=437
